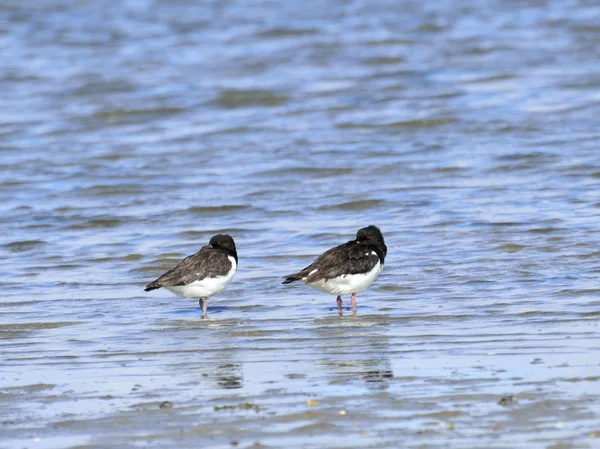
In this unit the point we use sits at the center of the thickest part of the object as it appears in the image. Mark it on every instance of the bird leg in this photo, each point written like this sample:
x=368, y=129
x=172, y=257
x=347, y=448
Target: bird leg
x=339, y=303
x=353, y=301
x=204, y=306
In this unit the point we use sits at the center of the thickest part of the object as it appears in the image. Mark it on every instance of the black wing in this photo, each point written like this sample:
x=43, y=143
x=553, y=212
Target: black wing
x=206, y=263
x=349, y=258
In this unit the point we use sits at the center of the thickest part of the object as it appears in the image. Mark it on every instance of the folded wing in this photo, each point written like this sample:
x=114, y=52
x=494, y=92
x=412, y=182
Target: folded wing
x=206, y=263
x=345, y=259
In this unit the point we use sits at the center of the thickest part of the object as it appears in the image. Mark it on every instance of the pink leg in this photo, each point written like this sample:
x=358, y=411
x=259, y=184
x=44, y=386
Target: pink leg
x=339, y=303
x=353, y=301
x=204, y=305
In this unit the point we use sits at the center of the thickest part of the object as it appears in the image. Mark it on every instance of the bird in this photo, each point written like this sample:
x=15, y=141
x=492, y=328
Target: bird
x=203, y=274
x=348, y=268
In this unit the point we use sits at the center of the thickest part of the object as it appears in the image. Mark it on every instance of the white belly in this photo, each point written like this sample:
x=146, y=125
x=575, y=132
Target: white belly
x=206, y=287
x=351, y=283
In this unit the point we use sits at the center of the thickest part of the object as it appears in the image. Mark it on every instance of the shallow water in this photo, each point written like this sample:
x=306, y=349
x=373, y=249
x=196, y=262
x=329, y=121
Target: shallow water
x=131, y=133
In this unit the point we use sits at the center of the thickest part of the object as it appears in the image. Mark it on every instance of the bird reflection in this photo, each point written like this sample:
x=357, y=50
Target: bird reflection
x=220, y=366
x=355, y=349
x=379, y=378
x=229, y=375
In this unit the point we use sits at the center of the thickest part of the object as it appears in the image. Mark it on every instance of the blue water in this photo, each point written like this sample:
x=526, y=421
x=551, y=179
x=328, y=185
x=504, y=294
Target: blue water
x=131, y=133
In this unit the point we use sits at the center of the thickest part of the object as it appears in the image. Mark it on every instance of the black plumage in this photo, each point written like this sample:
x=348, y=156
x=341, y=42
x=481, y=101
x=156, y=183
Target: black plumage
x=353, y=257
x=211, y=261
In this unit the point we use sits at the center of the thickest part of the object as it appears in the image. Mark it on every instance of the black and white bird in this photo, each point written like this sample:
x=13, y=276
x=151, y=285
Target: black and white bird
x=348, y=268
x=203, y=274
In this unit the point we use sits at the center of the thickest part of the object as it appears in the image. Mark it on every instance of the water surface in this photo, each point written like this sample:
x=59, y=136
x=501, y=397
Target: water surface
x=131, y=133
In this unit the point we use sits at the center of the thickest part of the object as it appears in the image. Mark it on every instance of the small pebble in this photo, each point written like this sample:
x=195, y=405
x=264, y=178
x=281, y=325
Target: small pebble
x=165, y=404
x=508, y=400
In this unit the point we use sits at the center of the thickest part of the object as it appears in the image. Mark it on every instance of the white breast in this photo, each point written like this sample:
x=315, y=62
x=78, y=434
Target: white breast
x=350, y=283
x=206, y=287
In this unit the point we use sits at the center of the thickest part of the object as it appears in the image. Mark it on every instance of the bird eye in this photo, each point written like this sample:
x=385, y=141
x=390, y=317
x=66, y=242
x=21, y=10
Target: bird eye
x=368, y=237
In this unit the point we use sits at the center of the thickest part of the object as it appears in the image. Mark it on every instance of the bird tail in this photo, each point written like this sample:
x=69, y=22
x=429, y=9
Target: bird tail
x=152, y=286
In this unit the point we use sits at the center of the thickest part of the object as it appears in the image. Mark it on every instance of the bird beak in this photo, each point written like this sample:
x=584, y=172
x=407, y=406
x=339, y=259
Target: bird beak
x=358, y=241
